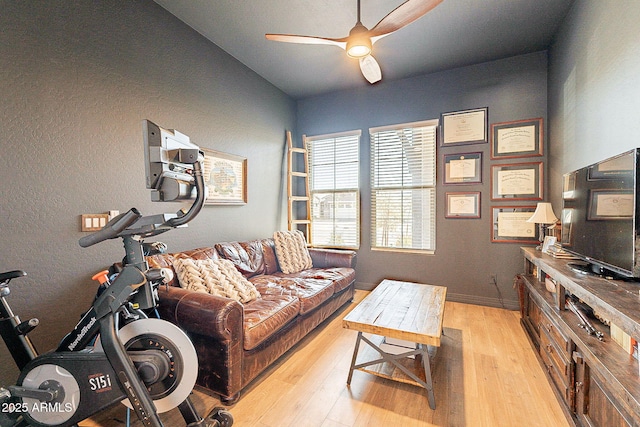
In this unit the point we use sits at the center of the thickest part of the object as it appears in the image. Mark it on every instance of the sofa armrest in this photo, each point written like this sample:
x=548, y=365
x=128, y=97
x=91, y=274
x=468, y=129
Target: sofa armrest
x=326, y=258
x=201, y=313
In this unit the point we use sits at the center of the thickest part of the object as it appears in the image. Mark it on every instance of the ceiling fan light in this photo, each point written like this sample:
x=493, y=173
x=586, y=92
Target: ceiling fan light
x=358, y=43
x=358, y=50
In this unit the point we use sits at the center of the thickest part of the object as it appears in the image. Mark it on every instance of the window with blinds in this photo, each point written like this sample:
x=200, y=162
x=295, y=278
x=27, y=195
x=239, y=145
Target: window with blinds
x=403, y=186
x=334, y=163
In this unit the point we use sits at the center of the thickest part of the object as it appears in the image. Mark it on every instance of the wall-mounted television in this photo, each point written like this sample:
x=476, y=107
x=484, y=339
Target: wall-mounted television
x=600, y=216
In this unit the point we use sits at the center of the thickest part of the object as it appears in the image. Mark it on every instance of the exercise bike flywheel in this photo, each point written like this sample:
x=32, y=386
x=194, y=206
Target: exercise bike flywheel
x=158, y=334
x=53, y=377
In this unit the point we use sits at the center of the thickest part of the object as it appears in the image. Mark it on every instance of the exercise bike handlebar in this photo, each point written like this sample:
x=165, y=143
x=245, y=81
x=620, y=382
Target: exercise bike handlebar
x=113, y=228
x=132, y=222
x=195, y=208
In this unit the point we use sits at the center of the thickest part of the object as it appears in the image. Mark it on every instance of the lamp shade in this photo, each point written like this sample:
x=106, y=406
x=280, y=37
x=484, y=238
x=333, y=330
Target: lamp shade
x=543, y=214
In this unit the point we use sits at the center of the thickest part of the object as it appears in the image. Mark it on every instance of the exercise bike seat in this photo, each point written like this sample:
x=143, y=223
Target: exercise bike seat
x=8, y=275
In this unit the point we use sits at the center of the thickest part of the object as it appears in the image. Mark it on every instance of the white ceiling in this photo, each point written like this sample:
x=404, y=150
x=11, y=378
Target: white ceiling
x=456, y=33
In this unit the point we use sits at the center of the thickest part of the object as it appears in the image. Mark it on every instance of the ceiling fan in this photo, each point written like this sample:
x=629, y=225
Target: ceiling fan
x=360, y=40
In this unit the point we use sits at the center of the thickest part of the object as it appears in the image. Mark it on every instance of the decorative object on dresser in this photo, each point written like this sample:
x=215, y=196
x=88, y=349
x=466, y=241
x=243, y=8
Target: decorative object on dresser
x=544, y=217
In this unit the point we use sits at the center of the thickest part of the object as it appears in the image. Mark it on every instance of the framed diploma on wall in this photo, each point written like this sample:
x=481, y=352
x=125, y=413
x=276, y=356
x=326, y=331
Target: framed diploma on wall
x=521, y=138
x=509, y=225
x=517, y=181
x=462, y=168
x=465, y=127
x=463, y=205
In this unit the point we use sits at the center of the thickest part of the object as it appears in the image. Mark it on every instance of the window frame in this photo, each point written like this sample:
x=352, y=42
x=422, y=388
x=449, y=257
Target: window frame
x=432, y=188
x=309, y=141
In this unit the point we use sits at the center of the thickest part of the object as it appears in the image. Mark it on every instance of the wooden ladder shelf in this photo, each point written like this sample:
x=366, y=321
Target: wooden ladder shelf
x=298, y=180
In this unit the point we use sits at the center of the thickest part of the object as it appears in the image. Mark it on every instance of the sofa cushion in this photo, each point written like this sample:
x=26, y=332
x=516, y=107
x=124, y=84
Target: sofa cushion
x=266, y=316
x=268, y=284
x=269, y=253
x=341, y=277
x=311, y=292
x=248, y=257
x=166, y=260
x=200, y=253
x=291, y=250
x=217, y=277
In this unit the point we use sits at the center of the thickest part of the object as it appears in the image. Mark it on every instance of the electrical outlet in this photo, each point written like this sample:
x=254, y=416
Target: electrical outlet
x=93, y=222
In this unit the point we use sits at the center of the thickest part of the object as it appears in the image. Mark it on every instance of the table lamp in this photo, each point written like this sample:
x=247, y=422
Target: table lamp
x=544, y=217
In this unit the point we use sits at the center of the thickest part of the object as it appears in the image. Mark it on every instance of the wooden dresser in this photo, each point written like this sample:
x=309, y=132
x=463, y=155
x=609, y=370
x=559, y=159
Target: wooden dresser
x=598, y=382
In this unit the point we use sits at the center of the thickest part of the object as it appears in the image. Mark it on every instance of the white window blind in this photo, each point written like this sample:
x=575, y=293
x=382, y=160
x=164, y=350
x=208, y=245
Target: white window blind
x=334, y=163
x=403, y=186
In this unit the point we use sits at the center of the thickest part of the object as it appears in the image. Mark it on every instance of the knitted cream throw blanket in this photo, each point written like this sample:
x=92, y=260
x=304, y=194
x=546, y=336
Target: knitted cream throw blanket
x=291, y=250
x=216, y=277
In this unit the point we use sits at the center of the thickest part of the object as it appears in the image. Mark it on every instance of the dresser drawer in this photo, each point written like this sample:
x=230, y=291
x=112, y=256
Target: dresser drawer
x=560, y=368
x=563, y=344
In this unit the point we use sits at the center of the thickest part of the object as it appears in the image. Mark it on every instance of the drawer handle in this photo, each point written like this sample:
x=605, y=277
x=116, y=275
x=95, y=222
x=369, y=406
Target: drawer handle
x=548, y=327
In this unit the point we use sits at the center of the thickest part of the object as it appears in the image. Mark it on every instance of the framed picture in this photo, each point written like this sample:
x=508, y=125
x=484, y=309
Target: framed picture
x=610, y=204
x=225, y=176
x=463, y=205
x=548, y=242
x=521, y=138
x=517, y=181
x=509, y=225
x=465, y=127
x=464, y=168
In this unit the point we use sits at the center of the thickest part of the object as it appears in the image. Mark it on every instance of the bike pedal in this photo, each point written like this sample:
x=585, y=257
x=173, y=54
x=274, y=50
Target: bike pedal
x=27, y=326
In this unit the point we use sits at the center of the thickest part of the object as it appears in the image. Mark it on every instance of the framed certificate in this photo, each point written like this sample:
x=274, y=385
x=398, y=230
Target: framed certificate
x=463, y=205
x=517, y=181
x=509, y=225
x=465, y=127
x=521, y=138
x=462, y=168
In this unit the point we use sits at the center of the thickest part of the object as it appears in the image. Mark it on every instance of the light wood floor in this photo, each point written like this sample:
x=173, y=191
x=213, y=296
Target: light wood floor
x=485, y=374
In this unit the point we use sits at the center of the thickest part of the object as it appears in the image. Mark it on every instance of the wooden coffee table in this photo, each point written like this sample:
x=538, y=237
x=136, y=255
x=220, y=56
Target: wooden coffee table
x=407, y=311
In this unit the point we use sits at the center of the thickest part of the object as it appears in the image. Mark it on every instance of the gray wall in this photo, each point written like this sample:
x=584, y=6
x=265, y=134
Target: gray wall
x=77, y=78
x=594, y=87
x=465, y=260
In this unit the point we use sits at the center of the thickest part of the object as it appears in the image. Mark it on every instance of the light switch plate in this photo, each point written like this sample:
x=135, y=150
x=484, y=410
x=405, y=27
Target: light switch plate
x=93, y=222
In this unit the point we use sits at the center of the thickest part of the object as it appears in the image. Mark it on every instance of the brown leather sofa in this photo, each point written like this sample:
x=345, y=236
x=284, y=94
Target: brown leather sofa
x=236, y=342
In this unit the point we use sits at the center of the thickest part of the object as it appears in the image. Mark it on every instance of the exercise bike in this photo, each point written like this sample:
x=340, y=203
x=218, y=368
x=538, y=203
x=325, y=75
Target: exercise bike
x=116, y=352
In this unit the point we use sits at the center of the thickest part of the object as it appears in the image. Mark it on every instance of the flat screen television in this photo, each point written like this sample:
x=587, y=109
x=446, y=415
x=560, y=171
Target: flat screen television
x=600, y=216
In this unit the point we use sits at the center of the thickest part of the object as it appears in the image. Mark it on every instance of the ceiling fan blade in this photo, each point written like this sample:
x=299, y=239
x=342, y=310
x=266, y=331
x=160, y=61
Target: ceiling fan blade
x=401, y=16
x=370, y=69
x=292, y=38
